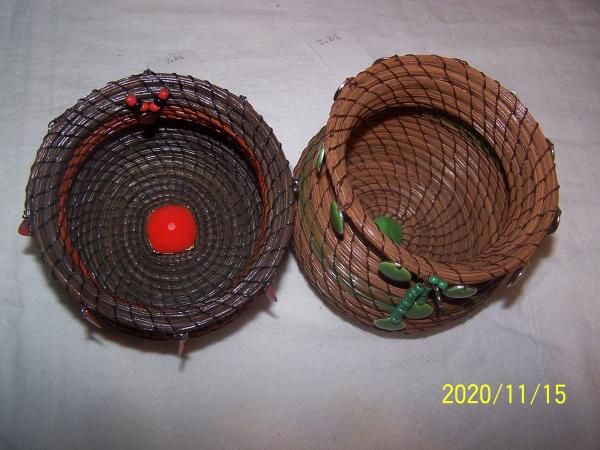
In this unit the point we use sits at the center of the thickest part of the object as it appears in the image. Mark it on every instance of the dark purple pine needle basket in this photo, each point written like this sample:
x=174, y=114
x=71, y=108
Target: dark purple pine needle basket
x=157, y=158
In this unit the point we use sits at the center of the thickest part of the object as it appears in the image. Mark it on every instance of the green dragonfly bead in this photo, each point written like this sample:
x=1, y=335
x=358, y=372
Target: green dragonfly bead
x=420, y=309
x=408, y=302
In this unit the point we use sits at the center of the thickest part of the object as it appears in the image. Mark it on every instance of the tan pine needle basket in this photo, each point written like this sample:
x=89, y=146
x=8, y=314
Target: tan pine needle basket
x=430, y=185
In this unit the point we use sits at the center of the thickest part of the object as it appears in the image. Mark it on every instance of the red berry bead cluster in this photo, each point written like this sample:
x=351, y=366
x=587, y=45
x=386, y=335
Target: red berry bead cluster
x=135, y=104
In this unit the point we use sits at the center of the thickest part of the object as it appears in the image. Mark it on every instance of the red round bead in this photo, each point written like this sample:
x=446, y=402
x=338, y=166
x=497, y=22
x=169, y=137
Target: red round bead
x=171, y=229
x=130, y=100
x=163, y=94
x=154, y=107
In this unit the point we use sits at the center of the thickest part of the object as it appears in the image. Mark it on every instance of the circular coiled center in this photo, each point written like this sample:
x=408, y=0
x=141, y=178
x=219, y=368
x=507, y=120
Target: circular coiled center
x=435, y=177
x=137, y=171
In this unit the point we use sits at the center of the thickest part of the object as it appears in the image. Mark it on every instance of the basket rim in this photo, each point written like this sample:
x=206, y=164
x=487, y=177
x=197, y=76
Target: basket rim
x=336, y=145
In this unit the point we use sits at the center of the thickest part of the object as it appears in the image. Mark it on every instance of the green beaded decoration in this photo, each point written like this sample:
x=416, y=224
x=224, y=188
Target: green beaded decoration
x=460, y=291
x=457, y=291
x=389, y=324
x=420, y=310
x=433, y=280
x=337, y=219
x=438, y=286
x=394, y=271
x=390, y=228
x=423, y=297
x=395, y=322
x=414, y=302
x=320, y=156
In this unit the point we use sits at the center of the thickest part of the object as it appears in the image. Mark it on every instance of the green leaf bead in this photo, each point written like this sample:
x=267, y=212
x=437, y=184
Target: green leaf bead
x=442, y=285
x=419, y=311
x=390, y=228
x=394, y=271
x=337, y=219
x=460, y=291
x=320, y=156
x=388, y=324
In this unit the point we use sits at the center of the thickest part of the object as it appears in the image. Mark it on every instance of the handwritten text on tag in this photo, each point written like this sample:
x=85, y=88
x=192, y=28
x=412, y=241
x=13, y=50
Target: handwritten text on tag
x=341, y=53
x=183, y=62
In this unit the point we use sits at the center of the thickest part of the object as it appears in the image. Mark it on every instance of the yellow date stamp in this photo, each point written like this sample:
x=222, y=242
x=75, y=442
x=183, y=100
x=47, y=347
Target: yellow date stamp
x=506, y=394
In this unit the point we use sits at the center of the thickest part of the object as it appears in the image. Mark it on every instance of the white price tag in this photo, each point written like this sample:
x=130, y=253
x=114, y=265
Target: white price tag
x=184, y=62
x=341, y=53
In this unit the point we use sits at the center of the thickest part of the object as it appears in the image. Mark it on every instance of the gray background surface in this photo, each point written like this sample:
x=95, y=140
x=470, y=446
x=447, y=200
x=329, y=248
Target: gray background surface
x=295, y=374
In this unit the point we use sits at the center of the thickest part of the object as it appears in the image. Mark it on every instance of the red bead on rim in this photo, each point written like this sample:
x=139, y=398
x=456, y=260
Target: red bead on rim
x=171, y=229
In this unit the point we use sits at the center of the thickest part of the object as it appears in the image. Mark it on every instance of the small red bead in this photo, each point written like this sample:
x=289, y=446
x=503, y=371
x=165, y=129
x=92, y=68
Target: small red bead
x=163, y=94
x=154, y=107
x=171, y=229
x=130, y=100
x=144, y=107
x=270, y=293
x=24, y=229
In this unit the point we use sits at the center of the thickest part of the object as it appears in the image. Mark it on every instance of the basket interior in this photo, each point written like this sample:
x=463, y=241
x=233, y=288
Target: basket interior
x=132, y=173
x=435, y=176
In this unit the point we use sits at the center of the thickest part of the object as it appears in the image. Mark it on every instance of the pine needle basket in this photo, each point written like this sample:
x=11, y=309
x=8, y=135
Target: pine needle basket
x=104, y=167
x=430, y=185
